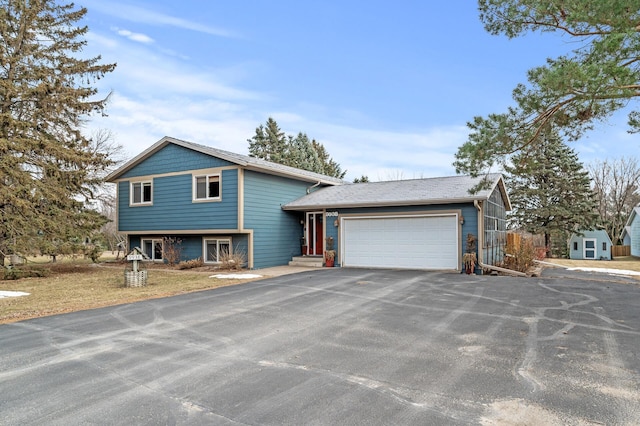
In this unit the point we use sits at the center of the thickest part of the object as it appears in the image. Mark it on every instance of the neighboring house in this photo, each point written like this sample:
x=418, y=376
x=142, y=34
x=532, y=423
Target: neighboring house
x=213, y=200
x=590, y=245
x=631, y=233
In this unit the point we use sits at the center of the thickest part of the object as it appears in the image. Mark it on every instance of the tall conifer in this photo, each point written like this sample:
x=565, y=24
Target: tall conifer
x=550, y=192
x=48, y=167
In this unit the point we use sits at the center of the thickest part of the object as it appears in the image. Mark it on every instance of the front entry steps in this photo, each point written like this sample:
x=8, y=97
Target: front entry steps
x=307, y=261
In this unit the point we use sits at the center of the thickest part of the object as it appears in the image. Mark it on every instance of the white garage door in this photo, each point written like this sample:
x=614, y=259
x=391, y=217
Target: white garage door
x=415, y=242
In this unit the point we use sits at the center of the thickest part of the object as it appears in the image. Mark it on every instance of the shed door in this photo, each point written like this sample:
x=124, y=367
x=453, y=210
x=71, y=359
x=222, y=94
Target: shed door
x=414, y=242
x=589, y=247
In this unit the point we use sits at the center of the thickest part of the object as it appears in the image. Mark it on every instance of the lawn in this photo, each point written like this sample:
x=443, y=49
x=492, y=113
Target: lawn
x=627, y=263
x=75, y=285
x=79, y=285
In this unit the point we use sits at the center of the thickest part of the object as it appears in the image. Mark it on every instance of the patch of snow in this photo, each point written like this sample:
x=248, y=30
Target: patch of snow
x=236, y=276
x=607, y=271
x=12, y=294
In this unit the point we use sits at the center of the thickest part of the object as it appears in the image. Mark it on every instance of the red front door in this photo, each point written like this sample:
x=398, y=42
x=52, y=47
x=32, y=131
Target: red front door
x=314, y=233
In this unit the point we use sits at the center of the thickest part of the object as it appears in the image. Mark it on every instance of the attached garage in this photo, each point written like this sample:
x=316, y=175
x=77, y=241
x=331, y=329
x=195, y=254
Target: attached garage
x=409, y=224
x=400, y=241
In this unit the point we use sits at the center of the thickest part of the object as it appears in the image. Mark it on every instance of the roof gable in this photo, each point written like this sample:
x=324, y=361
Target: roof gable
x=173, y=158
x=442, y=190
x=245, y=161
x=635, y=212
x=600, y=234
x=627, y=228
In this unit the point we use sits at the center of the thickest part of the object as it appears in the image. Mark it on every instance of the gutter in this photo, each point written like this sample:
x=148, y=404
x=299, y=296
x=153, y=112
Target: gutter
x=390, y=203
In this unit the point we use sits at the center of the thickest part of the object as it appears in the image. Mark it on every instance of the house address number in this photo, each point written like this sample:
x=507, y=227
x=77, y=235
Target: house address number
x=332, y=214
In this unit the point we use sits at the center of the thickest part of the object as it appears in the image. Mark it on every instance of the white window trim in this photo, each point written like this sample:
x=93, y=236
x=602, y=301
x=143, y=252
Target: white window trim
x=218, y=240
x=585, y=249
x=154, y=241
x=142, y=184
x=194, y=185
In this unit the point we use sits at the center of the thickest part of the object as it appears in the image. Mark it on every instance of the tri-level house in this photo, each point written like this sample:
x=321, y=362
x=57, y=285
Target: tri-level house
x=214, y=201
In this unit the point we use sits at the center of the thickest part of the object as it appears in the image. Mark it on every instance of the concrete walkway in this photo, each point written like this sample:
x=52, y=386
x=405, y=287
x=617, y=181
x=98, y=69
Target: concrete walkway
x=278, y=271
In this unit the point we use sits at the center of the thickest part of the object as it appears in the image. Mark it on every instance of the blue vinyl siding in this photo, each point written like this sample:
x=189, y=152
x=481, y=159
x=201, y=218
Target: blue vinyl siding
x=634, y=235
x=276, y=232
x=173, y=158
x=174, y=209
x=191, y=246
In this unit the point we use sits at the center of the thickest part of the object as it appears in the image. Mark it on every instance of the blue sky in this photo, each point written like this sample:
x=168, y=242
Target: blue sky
x=387, y=89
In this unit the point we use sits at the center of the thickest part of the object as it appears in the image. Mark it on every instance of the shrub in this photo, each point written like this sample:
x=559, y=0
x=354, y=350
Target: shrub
x=23, y=272
x=233, y=261
x=190, y=264
x=520, y=257
x=93, y=252
x=171, y=250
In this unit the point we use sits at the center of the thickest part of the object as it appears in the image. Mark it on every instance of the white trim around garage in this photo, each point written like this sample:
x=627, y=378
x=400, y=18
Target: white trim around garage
x=409, y=241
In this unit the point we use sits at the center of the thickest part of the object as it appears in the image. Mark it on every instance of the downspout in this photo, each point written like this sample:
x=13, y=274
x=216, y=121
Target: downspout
x=480, y=231
x=481, y=244
x=312, y=186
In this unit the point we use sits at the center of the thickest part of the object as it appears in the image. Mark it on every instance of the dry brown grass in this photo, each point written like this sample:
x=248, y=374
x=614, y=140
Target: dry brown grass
x=626, y=263
x=80, y=286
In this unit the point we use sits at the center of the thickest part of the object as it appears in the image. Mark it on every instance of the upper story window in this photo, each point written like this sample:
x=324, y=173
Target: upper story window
x=206, y=187
x=141, y=192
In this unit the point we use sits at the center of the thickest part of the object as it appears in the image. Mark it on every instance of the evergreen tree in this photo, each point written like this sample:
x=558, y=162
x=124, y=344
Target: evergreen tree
x=301, y=154
x=572, y=92
x=328, y=165
x=47, y=166
x=550, y=192
x=270, y=143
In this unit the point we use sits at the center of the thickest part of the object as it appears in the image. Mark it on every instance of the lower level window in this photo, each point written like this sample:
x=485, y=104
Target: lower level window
x=215, y=249
x=152, y=248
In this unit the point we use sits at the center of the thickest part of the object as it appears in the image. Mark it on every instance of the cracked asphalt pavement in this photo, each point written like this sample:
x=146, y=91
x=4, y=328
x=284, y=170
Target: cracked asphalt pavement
x=338, y=346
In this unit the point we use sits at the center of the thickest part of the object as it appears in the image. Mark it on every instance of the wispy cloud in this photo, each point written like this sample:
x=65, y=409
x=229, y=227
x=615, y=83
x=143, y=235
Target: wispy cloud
x=157, y=94
x=380, y=155
x=154, y=72
x=141, y=15
x=138, y=37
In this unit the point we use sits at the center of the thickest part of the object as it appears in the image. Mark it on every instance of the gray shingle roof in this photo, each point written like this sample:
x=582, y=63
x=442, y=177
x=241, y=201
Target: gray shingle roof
x=242, y=160
x=442, y=190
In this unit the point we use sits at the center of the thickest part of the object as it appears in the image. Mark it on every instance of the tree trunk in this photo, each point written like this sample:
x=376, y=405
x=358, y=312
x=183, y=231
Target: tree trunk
x=547, y=245
x=3, y=248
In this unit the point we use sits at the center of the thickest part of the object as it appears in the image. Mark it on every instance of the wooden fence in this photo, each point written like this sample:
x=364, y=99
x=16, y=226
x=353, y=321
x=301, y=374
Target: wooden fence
x=620, y=251
x=514, y=240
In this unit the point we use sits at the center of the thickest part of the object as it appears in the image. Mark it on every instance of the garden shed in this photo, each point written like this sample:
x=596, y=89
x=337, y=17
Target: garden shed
x=590, y=245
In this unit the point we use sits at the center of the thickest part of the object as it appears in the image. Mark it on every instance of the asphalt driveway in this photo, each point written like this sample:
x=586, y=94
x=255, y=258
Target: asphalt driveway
x=338, y=346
